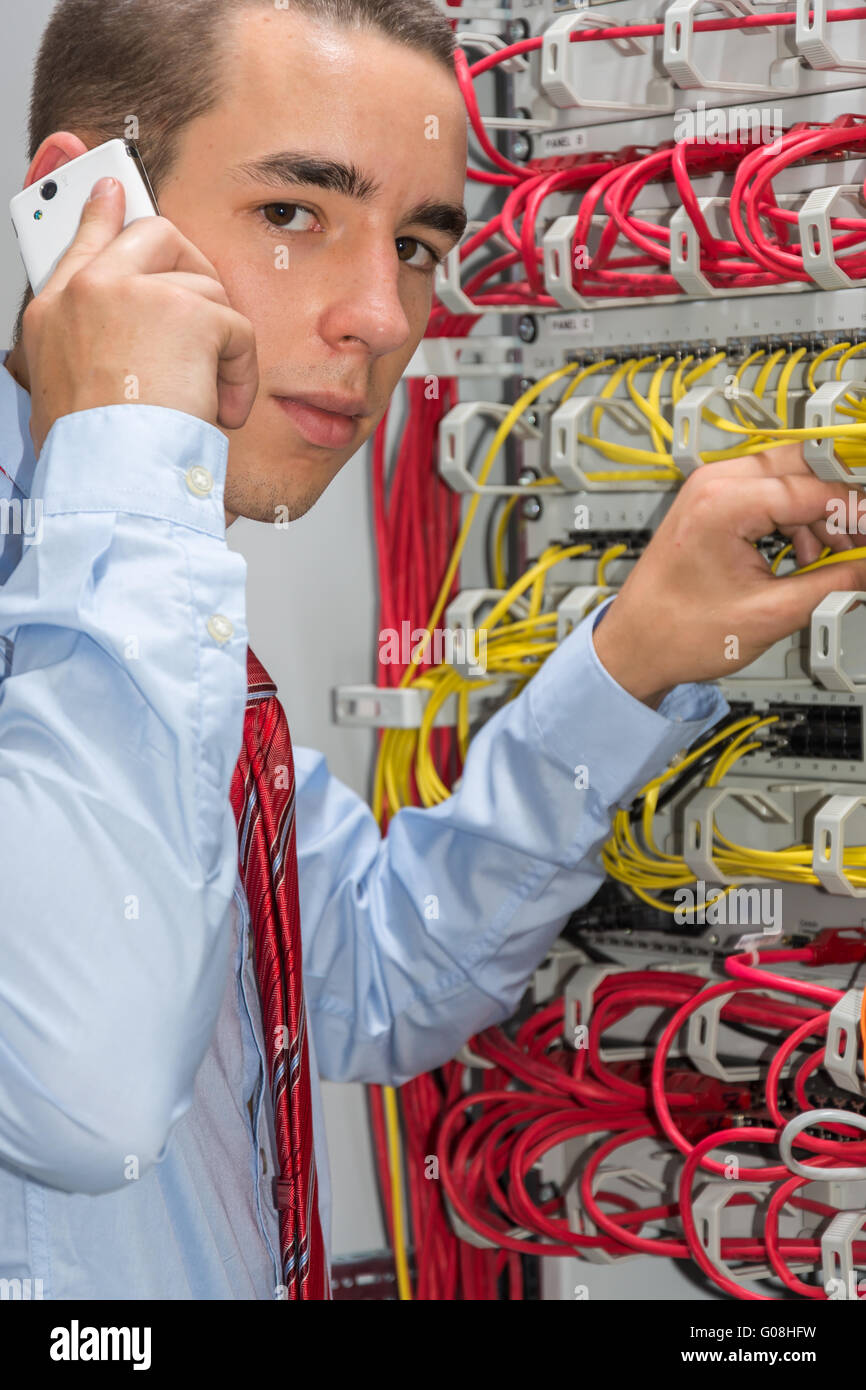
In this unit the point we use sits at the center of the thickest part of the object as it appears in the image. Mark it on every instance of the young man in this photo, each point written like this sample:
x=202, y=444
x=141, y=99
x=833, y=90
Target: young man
x=138, y=1142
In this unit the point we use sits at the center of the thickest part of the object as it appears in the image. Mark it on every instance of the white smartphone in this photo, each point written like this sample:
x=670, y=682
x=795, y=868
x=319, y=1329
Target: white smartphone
x=47, y=215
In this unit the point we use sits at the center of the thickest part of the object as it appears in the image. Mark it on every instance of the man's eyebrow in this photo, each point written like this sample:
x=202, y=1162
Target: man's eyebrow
x=291, y=167
x=450, y=218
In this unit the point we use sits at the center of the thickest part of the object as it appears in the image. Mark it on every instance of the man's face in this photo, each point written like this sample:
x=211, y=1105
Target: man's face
x=329, y=247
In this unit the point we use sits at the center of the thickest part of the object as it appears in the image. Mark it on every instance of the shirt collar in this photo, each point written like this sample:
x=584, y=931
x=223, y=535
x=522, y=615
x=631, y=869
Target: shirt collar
x=17, y=455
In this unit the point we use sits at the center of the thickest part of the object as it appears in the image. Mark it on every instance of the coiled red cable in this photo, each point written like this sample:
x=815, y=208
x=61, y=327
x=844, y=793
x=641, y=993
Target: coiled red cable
x=490, y=1142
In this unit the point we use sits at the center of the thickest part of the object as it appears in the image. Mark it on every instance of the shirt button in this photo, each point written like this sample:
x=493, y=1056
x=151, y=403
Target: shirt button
x=199, y=481
x=220, y=628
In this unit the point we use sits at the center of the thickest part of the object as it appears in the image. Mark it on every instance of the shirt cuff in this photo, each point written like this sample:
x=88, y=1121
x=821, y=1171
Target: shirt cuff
x=143, y=460
x=623, y=742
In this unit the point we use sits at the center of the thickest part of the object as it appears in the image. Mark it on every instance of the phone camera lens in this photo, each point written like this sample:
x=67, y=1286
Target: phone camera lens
x=49, y=190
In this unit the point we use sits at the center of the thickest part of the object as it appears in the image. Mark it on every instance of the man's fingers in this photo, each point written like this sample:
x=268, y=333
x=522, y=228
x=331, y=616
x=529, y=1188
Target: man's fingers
x=806, y=542
x=786, y=458
x=810, y=541
x=148, y=246
x=203, y=285
x=238, y=375
x=141, y=295
x=787, y=461
x=101, y=221
x=759, y=505
x=152, y=246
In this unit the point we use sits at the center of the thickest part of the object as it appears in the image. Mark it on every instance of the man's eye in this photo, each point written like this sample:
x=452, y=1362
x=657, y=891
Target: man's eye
x=290, y=217
x=416, y=254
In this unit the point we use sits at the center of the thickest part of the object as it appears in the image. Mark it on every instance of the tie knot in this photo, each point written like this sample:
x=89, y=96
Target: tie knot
x=259, y=684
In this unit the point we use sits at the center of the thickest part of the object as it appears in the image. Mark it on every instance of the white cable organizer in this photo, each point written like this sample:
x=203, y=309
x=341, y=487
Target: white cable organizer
x=567, y=452
x=557, y=244
x=849, y=1196
x=444, y=358
x=378, y=707
x=812, y=41
x=685, y=257
x=703, y=1044
x=467, y=608
x=577, y=603
x=557, y=250
x=708, y=1205
x=563, y=78
x=816, y=234
x=468, y=1233
x=449, y=288
x=828, y=844
x=455, y=447
x=461, y=617
x=491, y=43
x=685, y=254
x=841, y=1053
x=579, y=994
x=689, y=426
x=577, y=1218
x=820, y=454
x=827, y=645
x=838, y=1268
x=449, y=275
x=375, y=707
x=678, y=52
x=699, y=823
x=471, y=1059
x=814, y=214
x=513, y=66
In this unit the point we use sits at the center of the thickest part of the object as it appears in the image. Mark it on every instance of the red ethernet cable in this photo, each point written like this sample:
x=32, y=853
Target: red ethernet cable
x=649, y=31
x=743, y=967
x=486, y=1168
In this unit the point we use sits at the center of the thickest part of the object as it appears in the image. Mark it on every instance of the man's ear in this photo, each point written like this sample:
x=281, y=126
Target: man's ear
x=57, y=149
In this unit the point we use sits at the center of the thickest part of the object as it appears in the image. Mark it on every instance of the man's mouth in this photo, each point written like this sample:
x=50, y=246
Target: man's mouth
x=327, y=419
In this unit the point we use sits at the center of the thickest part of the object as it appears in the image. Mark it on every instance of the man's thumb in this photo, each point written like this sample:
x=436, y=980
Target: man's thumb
x=104, y=188
x=101, y=221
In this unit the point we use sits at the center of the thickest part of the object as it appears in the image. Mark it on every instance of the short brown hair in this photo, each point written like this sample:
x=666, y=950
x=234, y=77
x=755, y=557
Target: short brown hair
x=101, y=61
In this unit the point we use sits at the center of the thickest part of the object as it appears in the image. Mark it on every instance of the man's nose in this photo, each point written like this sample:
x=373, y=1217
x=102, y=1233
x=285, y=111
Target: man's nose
x=363, y=300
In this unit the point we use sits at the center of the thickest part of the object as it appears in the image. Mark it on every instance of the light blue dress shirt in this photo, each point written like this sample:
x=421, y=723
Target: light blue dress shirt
x=136, y=1140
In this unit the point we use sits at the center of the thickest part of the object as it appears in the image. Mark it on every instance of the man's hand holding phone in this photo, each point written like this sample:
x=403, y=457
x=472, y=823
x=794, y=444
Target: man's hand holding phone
x=143, y=303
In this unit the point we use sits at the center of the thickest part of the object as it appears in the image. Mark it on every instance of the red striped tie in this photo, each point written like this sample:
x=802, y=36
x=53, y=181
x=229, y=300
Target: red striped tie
x=263, y=800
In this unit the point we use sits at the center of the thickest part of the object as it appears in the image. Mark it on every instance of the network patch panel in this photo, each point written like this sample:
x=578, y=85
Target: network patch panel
x=665, y=265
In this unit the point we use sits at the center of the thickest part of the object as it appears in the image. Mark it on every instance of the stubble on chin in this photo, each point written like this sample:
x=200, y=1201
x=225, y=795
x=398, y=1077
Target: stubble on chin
x=268, y=503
